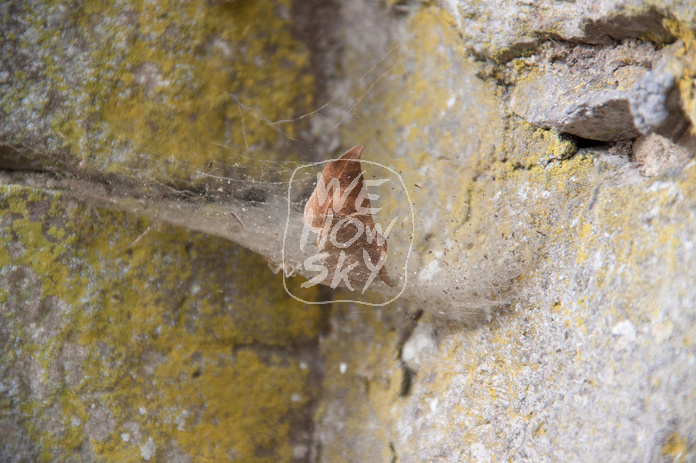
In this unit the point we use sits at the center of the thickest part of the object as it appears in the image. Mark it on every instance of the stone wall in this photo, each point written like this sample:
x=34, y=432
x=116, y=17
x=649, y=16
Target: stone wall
x=548, y=151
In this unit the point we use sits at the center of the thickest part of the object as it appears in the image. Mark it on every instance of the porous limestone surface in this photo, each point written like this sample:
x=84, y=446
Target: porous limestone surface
x=124, y=340
x=548, y=151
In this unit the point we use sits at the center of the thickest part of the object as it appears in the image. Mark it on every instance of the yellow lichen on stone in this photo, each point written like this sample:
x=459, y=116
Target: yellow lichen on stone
x=630, y=226
x=362, y=383
x=418, y=89
x=178, y=335
x=686, y=54
x=169, y=87
x=675, y=447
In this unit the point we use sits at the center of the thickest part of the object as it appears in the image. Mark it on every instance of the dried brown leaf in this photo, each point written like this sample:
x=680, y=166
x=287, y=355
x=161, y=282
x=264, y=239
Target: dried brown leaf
x=337, y=204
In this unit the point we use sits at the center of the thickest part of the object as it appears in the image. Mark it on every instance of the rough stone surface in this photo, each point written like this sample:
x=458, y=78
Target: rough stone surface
x=549, y=310
x=121, y=340
x=657, y=155
x=591, y=355
x=163, y=91
x=604, y=94
x=504, y=28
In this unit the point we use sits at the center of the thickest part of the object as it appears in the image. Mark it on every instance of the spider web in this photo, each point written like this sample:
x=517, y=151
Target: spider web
x=247, y=175
x=230, y=182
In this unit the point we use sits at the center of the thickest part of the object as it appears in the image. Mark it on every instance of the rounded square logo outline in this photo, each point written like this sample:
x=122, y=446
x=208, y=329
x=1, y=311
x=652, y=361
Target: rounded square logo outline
x=408, y=254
